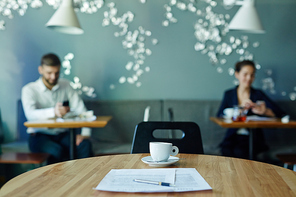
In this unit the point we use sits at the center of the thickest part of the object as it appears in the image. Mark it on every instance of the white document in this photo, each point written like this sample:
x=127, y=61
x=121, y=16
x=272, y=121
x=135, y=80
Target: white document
x=260, y=118
x=77, y=119
x=184, y=179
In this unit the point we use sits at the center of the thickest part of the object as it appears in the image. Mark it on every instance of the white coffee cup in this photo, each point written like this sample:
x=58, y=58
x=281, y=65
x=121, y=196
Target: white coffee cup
x=87, y=114
x=228, y=113
x=161, y=151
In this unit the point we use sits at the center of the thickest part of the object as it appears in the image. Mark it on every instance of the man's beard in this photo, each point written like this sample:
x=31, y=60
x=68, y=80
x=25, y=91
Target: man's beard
x=51, y=84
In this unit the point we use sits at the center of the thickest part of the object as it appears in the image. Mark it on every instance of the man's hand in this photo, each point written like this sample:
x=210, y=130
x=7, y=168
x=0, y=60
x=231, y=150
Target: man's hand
x=61, y=110
x=80, y=138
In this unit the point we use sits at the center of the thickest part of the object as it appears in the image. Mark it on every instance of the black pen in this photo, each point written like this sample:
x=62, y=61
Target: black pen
x=154, y=182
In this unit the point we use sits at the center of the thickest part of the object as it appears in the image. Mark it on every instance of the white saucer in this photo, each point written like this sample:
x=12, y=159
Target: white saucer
x=170, y=161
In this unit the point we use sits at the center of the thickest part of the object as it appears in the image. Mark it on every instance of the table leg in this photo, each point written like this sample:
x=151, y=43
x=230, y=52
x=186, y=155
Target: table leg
x=72, y=144
x=251, y=144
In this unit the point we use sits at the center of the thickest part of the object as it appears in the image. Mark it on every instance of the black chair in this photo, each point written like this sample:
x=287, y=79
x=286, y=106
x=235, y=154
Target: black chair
x=190, y=142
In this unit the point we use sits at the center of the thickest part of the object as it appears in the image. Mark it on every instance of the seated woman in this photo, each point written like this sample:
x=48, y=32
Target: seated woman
x=236, y=141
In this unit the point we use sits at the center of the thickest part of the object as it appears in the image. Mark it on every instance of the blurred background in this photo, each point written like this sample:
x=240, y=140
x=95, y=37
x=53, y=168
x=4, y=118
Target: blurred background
x=140, y=50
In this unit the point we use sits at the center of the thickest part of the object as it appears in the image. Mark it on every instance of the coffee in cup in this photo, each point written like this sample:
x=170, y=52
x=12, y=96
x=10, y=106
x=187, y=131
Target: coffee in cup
x=161, y=151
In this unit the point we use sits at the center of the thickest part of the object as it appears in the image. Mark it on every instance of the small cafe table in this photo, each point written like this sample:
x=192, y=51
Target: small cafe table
x=254, y=124
x=72, y=124
x=227, y=176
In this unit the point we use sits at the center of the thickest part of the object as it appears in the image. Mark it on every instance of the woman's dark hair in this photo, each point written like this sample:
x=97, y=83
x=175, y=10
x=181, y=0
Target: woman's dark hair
x=240, y=65
x=50, y=60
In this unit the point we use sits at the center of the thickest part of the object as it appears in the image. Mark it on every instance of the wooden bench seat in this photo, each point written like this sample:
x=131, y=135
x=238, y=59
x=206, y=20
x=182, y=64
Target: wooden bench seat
x=288, y=159
x=16, y=152
x=23, y=158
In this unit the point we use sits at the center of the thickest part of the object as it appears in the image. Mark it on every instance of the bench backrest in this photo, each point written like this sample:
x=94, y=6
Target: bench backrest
x=21, y=118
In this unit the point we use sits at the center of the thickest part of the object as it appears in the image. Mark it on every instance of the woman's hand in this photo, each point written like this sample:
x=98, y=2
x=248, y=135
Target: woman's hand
x=248, y=104
x=259, y=108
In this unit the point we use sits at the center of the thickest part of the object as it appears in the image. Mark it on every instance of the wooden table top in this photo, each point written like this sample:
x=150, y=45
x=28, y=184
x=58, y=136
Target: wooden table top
x=276, y=123
x=101, y=121
x=227, y=176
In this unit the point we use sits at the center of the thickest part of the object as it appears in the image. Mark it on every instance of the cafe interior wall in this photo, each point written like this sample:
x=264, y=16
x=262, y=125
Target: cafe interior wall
x=174, y=70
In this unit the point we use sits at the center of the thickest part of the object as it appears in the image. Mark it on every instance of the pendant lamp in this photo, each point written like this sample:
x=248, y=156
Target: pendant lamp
x=64, y=20
x=246, y=19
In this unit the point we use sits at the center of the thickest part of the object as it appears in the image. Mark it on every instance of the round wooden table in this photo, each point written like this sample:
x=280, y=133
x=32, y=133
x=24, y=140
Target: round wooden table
x=227, y=176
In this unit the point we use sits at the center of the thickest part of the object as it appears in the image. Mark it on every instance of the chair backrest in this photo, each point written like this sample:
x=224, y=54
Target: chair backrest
x=190, y=142
x=146, y=114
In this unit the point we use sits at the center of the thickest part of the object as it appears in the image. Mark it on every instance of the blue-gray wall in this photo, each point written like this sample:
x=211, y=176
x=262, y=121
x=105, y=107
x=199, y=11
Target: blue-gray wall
x=177, y=70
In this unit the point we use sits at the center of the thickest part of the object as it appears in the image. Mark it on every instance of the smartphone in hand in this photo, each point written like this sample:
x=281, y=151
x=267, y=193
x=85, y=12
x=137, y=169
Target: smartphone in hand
x=66, y=103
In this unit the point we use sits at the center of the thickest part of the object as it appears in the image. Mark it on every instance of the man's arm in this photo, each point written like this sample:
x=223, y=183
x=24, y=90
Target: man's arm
x=30, y=106
x=85, y=134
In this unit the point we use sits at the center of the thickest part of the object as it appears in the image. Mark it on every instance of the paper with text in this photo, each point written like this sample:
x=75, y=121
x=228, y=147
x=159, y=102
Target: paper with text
x=184, y=179
x=260, y=118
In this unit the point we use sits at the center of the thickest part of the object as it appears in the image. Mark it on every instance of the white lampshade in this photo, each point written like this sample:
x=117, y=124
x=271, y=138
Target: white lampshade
x=64, y=20
x=247, y=19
